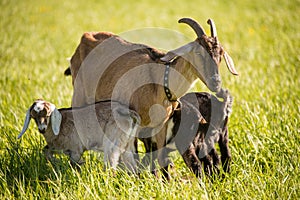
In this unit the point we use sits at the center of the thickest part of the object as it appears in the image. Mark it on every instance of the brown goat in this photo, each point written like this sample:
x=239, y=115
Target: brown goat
x=105, y=66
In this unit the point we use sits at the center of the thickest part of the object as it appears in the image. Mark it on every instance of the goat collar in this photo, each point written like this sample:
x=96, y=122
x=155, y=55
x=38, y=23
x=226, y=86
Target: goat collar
x=170, y=96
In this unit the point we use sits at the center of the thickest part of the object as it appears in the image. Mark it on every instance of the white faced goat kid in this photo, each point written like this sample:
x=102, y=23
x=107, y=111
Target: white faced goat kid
x=106, y=126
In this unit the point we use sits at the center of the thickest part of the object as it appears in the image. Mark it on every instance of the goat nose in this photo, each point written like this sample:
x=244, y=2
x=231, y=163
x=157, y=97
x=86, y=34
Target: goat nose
x=216, y=78
x=43, y=130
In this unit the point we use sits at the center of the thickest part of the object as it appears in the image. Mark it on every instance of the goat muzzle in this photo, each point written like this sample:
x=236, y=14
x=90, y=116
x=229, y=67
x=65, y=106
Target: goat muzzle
x=214, y=83
x=42, y=131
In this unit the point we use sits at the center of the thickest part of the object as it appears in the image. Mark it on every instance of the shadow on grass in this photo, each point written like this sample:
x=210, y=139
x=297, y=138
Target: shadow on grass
x=26, y=169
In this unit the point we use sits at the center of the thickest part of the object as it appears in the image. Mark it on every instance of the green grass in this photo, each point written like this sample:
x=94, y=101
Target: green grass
x=261, y=36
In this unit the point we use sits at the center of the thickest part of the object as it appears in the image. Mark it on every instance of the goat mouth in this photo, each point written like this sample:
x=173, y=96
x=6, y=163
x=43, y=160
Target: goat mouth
x=214, y=83
x=214, y=87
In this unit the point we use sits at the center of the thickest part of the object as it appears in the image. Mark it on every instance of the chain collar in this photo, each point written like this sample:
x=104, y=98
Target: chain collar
x=166, y=84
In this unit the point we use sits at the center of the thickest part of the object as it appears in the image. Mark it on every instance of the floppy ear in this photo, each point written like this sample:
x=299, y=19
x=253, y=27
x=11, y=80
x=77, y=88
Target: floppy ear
x=178, y=52
x=26, y=123
x=55, y=121
x=229, y=63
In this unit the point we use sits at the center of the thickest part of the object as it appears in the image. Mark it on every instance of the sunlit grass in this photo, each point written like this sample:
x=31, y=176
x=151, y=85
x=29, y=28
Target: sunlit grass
x=263, y=39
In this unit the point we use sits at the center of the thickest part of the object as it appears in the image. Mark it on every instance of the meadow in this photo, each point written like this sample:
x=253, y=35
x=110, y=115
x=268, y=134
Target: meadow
x=262, y=37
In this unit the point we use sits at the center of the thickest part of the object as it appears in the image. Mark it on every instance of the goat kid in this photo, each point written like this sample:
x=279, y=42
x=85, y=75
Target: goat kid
x=200, y=117
x=106, y=126
x=216, y=114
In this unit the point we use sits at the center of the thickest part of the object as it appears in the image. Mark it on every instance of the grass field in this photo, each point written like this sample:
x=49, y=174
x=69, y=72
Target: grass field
x=263, y=38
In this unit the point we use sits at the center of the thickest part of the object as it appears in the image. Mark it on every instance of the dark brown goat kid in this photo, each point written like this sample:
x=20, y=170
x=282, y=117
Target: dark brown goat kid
x=197, y=114
x=216, y=114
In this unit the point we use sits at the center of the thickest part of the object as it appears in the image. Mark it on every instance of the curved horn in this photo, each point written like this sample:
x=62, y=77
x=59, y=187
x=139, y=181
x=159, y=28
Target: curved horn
x=213, y=29
x=195, y=26
x=26, y=123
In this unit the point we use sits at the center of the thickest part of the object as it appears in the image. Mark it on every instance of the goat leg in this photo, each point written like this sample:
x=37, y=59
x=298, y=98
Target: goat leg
x=216, y=160
x=207, y=165
x=225, y=151
x=150, y=155
x=163, y=159
x=75, y=160
x=48, y=153
x=164, y=162
x=191, y=160
x=129, y=162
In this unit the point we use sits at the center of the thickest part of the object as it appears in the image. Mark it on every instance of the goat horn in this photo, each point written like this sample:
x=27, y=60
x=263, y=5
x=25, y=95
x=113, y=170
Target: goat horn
x=26, y=123
x=213, y=29
x=195, y=26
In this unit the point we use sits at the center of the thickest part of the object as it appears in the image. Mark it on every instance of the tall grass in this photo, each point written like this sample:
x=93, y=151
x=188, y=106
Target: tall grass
x=261, y=36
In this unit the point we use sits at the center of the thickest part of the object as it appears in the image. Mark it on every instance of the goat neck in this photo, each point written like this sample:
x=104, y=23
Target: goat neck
x=181, y=78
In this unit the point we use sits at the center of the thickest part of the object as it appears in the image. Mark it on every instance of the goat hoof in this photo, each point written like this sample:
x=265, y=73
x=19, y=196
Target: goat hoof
x=165, y=174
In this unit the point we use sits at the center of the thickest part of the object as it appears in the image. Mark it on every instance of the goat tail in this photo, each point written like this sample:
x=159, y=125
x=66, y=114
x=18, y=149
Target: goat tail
x=67, y=72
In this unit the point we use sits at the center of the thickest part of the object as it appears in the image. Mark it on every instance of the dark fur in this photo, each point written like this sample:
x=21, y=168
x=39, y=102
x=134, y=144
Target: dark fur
x=205, y=103
x=189, y=141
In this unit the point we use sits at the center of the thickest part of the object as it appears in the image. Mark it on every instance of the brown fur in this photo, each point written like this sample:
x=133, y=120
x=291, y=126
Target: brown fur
x=144, y=55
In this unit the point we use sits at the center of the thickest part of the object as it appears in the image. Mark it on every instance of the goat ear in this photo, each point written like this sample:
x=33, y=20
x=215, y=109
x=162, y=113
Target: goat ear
x=230, y=64
x=55, y=121
x=178, y=52
x=168, y=57
x=26, y=123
